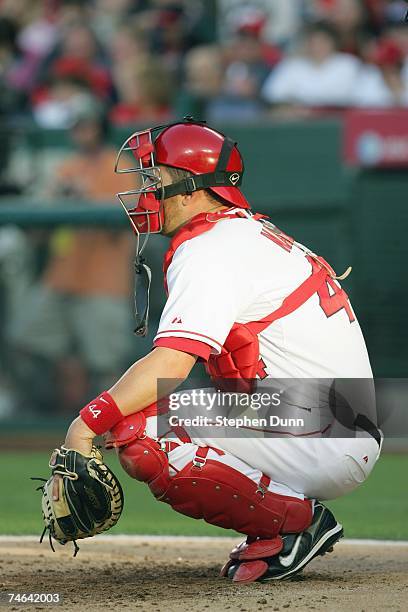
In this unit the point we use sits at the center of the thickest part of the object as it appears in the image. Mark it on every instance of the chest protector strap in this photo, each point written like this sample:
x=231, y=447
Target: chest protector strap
x=239, y=357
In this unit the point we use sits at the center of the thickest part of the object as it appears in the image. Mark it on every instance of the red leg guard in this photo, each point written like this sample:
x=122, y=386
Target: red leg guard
x=224, y=497
x=211, y=490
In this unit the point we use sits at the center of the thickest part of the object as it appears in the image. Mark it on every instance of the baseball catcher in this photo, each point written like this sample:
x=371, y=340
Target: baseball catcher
x=253, y=305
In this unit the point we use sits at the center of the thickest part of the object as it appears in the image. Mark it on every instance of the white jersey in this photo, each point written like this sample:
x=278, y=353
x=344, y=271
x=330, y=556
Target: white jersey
x=236, y=273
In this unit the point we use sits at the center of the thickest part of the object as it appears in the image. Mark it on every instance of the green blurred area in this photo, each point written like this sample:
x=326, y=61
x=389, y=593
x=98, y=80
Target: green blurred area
x=378, y=509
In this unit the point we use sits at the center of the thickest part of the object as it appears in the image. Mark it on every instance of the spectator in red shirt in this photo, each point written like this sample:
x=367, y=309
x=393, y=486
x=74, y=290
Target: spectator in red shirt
x=79, y=55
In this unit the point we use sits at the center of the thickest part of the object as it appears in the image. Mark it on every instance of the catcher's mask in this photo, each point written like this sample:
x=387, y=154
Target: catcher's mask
x=211, y=157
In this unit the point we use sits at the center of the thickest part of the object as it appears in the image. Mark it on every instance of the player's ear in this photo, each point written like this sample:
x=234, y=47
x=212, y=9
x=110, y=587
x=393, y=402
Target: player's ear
x=187, y=199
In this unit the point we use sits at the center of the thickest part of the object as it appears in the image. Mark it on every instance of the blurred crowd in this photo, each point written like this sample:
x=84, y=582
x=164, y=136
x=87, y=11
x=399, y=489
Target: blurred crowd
x=86, y=66
x=151, y=60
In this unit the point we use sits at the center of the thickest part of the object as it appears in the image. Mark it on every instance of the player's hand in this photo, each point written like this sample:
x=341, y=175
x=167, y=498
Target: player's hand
x=79, y=437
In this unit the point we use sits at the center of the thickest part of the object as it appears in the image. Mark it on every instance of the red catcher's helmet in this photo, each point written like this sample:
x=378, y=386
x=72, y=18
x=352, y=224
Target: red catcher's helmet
x=197, y=148
x=212, y=158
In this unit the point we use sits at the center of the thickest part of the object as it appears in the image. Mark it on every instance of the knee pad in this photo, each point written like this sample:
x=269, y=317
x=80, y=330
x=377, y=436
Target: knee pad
x=139, y=455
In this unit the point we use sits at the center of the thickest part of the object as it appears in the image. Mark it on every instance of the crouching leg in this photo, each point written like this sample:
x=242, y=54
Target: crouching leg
x=206, y=483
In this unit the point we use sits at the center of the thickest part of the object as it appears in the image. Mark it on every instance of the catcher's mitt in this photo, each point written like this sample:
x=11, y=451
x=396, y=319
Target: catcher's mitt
x=90, y=497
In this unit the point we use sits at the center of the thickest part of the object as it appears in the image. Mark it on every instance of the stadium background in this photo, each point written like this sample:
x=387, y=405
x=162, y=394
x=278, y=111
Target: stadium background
x=123, y=65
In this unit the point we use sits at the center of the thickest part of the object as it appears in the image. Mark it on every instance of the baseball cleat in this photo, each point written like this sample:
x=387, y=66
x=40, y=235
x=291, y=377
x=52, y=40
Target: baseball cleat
x=300, y=548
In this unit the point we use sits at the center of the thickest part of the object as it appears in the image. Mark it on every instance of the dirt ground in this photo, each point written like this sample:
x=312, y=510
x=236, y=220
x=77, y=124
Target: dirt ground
x=182, y=575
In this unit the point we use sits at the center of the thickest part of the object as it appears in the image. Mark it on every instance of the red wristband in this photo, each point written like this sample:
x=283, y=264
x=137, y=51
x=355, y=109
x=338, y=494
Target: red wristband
x=101, y=414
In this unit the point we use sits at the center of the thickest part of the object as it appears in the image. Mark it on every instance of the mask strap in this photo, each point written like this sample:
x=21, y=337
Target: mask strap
x=225, y=154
